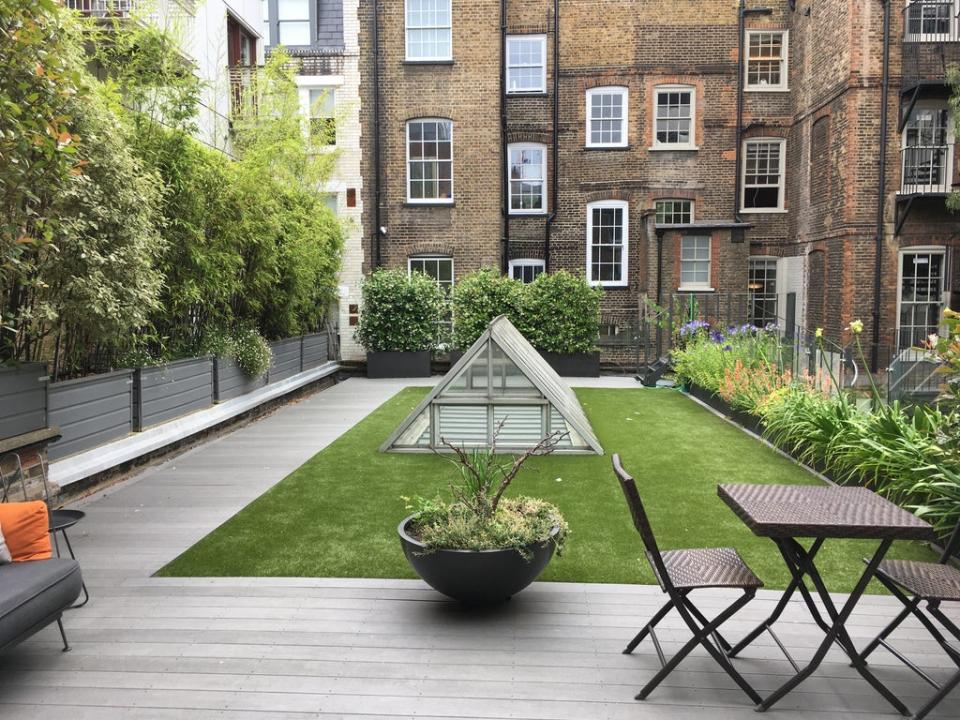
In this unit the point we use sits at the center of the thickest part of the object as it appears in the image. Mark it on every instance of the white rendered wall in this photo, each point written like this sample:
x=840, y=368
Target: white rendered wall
x=347, y=171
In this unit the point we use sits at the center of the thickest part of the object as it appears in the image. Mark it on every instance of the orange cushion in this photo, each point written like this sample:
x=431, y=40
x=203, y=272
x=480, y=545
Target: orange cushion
x=26, y=529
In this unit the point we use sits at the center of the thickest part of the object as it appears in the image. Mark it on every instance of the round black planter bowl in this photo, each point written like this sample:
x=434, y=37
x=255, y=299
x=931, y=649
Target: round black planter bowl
x=475, y=577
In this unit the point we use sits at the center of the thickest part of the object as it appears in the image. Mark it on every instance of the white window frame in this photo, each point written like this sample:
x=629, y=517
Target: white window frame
x=693, y=208
x=280, y=22
x=944, y=290
x=542, y=39
x=766, y=296
x=784, y=85
x=543, y=178
x=692, y=145
x=625, y=254
x=331, y=92
x=781, y=185
x=945, y=150
x=525, y=262
x=436, y=200
x=624, y=92
x=697, y=286
x=951, y=34
x=406, y=36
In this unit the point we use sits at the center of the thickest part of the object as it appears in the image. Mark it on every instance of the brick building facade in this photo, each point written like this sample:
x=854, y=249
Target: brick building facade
x=669, y=177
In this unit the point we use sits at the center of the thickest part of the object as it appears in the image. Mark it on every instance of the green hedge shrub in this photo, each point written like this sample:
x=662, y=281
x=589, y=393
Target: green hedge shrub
x=400, y=313
x=480, y=297
x=561, y=313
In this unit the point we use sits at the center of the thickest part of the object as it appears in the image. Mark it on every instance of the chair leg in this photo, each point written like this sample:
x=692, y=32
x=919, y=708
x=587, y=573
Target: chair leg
x=661, y=613
x=944, y=690
x=83, y=584
x=885, y=633
x=701, y=636
x=721, y=640
x=63, y=635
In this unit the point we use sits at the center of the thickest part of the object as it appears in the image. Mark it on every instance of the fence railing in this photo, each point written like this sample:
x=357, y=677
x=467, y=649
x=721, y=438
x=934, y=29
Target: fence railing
x=98, y=409
x=906, y=372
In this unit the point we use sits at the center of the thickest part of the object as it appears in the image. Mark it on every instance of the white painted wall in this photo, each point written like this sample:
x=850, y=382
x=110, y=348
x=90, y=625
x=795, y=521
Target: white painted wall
x=347, y=172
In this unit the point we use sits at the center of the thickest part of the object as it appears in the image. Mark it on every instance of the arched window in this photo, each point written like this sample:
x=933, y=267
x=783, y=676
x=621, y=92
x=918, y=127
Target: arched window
x=430, y=160
x=527, y=176
x=608, y=226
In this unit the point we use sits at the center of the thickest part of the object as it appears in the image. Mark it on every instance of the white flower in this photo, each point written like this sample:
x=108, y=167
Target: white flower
x=856, y=327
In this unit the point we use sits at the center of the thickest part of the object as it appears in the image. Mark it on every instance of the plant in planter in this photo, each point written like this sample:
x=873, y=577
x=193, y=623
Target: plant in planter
x=480, y=297
x=483, y=547
x=562, y=320
x=399, y=323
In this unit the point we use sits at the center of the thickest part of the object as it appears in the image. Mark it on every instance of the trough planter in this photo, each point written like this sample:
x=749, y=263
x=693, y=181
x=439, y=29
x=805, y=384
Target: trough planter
x=475, y=577
x=750, y=422
x=574, y=364
x=398, y=364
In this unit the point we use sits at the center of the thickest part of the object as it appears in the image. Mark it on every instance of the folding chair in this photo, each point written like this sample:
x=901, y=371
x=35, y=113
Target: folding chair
x=932, y=583
x=679, y=572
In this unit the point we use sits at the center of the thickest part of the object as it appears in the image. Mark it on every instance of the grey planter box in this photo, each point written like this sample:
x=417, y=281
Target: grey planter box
x=574, y=364
x=90, y=411
x=23, y=399
x=168, y=391
x=286, y=359
x=229, y=381
x=398, y=364
x=316, y=350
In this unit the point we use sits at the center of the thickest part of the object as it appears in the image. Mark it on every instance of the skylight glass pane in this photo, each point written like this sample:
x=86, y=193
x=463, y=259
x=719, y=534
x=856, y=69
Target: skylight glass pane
x=508, y=379
x=418, y=433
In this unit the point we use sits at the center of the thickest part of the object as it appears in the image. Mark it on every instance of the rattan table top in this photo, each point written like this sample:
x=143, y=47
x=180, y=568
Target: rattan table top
x=791, y=511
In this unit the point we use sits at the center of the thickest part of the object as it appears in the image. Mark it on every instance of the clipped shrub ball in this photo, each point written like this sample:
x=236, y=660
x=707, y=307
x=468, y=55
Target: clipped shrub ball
x=562, y=313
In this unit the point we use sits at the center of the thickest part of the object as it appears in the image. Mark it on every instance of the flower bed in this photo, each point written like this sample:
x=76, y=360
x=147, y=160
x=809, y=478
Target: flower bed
x=909, y=454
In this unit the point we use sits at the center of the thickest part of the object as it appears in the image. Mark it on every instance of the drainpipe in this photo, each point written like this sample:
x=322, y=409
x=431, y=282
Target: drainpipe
x=377, y=260
x=556, y=137
x=505, y=167
x=881, y=189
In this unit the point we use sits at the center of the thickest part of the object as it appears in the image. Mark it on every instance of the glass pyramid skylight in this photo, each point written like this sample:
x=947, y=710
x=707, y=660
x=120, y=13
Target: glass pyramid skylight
x=500, y=382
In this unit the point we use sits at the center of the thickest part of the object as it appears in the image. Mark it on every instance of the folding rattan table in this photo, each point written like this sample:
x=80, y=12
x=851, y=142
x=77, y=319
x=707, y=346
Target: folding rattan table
x=785, y=513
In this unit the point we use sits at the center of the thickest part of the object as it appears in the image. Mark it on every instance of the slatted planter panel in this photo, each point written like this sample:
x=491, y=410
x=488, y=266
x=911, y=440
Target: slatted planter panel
x=168, y=391
x=230, y=381
x=23, y=399
x=316, y=350
x=286, y=359
x=90, y=411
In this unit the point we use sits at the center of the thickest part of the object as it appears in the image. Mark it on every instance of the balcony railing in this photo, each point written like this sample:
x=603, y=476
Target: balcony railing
x=927, y=169
x=242, y=79
x=931, y=21
x=102, y=8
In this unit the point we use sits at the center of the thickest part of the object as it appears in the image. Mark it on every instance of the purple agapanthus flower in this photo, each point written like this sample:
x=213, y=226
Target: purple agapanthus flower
x=727, y=348
x=717, y=336
x=693, y=327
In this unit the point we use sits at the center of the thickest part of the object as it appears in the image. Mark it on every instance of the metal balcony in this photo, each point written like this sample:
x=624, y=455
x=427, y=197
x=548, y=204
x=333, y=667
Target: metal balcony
x=931, y=21
x=927, y=169
x=102, y=8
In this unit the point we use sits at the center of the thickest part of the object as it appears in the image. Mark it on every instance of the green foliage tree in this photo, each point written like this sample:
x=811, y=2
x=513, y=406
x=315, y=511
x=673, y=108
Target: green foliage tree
x=39, y=75
x=400, y=313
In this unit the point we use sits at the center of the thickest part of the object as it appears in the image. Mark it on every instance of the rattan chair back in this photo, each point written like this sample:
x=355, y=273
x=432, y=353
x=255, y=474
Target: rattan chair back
x=642, y=522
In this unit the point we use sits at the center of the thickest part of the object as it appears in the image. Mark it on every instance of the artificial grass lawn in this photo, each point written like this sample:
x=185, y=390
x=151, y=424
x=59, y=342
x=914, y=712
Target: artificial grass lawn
x=336, y=515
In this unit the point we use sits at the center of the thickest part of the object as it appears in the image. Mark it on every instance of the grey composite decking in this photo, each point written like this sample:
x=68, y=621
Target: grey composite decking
x=284, y=648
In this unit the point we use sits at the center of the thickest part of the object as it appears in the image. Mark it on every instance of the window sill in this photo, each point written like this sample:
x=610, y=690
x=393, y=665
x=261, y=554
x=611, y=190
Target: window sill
x=608, y=148
x=767, y=89
x=532, y=213
x=431, y=204
x=429, y=62
x=613, y=285
x=527, y=94
x=763, y=211
x=674, y=148
x=695, y=289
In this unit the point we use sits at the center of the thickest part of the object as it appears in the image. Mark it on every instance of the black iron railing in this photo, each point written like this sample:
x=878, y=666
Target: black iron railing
x=926, y=169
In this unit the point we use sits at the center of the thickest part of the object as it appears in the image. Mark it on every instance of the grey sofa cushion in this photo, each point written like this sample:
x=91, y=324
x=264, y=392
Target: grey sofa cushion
x=32, y=594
